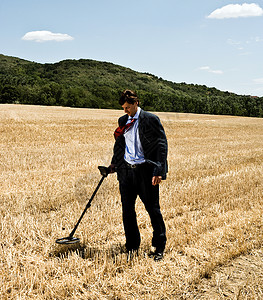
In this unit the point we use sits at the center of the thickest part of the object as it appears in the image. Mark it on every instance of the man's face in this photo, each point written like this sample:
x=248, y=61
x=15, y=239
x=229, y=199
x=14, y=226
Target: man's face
x=130, y=109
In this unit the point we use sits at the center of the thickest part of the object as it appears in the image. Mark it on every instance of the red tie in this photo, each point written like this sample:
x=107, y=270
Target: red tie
x=121, y=129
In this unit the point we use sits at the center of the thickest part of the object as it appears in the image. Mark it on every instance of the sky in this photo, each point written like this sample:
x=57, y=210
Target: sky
x=217, y=43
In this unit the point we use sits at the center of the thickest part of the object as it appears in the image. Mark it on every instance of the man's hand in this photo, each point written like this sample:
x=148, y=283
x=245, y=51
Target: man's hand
x=111, y=168
x=156, y=180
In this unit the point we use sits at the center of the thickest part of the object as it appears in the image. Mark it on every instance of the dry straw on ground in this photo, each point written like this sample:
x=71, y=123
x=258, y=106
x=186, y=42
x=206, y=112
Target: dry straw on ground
x=211, y=202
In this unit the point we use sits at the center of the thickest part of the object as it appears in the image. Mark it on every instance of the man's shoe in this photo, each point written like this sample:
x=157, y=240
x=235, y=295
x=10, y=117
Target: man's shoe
x=158, y=256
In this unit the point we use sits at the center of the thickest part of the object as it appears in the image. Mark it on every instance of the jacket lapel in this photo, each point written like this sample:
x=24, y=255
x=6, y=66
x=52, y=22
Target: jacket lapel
x=141, y=117
x=123, y=120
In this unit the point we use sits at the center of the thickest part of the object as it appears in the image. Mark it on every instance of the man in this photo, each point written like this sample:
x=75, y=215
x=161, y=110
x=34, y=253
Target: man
x=140, y=159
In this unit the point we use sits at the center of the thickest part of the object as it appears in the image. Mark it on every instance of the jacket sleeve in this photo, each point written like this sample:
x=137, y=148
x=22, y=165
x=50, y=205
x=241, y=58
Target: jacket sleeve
x=154, y=143
x=119, y=147
x=161, y=150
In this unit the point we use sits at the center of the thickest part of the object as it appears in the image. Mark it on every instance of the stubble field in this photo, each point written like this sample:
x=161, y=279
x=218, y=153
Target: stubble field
x=211, y=203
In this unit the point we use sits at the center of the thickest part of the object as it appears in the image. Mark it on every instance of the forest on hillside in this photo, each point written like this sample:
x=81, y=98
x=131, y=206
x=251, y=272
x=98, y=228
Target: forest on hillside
x=95, y=84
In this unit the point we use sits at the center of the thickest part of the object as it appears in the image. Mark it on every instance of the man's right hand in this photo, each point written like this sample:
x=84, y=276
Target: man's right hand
x=111, y=168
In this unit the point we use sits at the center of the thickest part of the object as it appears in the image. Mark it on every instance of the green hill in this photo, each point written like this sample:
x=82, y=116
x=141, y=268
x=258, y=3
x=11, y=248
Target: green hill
x=95, y=84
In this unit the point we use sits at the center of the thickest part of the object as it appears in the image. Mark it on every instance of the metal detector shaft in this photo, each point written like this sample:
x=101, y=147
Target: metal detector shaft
x=104, y=171
x=87, y=206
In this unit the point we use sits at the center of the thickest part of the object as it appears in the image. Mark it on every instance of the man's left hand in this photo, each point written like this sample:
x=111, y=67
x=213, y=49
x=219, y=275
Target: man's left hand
x=156, y=180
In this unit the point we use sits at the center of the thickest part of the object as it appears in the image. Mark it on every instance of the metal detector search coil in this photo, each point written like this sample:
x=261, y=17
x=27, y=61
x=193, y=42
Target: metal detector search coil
x=68, y=240
x=104, y=171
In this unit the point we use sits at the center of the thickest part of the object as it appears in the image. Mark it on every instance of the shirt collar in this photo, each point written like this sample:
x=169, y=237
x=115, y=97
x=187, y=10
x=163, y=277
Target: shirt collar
x=136, y=116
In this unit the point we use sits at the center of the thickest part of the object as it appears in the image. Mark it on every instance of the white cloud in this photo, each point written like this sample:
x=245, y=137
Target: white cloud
x=245, y=47
x=257, y=39
x=237, y=11
x=234, y=42
x=45, y=36
x=208, y=69
x=258, y=80
x=204, y=68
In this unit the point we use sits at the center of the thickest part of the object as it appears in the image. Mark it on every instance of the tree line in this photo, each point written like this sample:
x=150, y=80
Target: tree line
x=94, y=84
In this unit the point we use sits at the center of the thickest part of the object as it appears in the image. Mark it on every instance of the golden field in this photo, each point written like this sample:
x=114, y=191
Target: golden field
x=211, y=202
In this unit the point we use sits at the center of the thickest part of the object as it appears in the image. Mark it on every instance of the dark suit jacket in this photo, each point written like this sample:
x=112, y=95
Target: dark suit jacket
x=153, y=140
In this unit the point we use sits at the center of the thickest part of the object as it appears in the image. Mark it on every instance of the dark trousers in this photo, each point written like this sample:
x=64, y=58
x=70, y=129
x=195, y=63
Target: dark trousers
x=135, y=182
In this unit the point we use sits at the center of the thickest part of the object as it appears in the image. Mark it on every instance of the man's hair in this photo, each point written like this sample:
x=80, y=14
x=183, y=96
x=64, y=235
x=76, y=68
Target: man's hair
x=128, y=96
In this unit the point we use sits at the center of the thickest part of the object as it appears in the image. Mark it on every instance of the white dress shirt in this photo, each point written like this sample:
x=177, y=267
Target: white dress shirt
x=133, y=150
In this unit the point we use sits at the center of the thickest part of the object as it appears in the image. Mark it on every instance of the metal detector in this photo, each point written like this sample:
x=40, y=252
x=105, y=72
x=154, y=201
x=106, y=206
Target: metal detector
x=104, y=171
